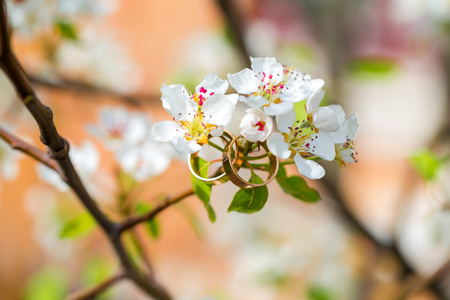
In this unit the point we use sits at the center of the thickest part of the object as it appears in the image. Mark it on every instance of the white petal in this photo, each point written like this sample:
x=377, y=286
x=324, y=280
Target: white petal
x=286, y=121
x=352, y=126
x=254, y=101
x=278, y=108
x=176, y=101
x=292, y=92
x=244, y=82
x=166, y=131
x=233, y=98
x=314, y=100
x=339, y=113
x=217, y=131
x=263, y=67
x=322, y=146
x=278, y=146
x=324, y=119
x=184, y=146
x=249, y=128
x=218, y=110
x=212, y=84
x=309, y=168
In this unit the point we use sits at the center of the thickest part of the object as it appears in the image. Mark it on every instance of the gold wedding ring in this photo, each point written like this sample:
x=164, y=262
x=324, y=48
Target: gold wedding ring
x=232, y=165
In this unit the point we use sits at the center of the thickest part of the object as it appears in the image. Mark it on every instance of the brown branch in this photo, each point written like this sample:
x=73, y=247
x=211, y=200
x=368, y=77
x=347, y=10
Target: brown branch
x=418, y=284
x=89, y=293
x=81, y=87
x=131, y=222
x=17, y=143
x=234, y=20
x=59, y=150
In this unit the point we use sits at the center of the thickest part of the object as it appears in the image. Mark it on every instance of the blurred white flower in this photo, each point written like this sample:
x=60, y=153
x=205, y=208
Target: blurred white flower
x=256, y=125
x=9, y=162
x=196, y=116
x=98, y=60
x=86, y=160
x=119, y=128
x=129, y=136
x=273, y=87
x=32, y=16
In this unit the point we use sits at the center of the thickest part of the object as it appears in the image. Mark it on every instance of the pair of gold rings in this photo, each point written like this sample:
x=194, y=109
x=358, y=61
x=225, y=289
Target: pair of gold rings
x=232, y=161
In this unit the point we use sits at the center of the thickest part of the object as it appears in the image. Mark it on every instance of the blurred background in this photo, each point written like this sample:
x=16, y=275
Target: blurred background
x=382, y=227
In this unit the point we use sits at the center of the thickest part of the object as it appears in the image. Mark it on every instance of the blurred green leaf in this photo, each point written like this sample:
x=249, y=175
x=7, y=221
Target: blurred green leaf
x=67, y=29
x=250, y=200
x=78, y=226
x=201, y=188
x=126, y=182
x=426, y=163
x=296, y=186
x=316, y=292
x=153, y=225
x=192, y=219
x=49, y=283
x=95, y=271
x=372, y=67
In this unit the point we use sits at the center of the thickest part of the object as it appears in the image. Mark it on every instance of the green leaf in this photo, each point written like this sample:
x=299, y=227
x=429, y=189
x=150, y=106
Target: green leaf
x=67, y=29
x=296, y=186
x=372, y=67
x=201, y=188
x=250, y=200
x=78, y=226
x=316, y=292
x=153, y=225
x=426, y=163
x=47, y=284
x=126, y=182
x=95, y=271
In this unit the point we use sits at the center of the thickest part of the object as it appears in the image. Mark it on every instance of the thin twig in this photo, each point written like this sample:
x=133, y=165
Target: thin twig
x=17, y=143
x=81, y=87
x=418, y=284
x=131, y=222
x=235, y=21
x=89, y=293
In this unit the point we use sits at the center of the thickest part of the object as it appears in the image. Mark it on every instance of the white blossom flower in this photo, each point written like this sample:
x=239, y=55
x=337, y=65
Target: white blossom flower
x=301, y=140
x=145, y=160
x=86, y=160
x=129, y=135
x=196, y=116
x=272, y=86
x=345, y=150
x=326, y=118
x=256, y=125
x=120, y=128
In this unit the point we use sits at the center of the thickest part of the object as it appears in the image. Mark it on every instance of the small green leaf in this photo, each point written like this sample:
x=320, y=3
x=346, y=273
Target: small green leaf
x=78, y=226
x=201, y=188
x=66, y=29
x=250, y=200
x=296, y=186
x=372, y=67
x=95, y=271
x=126, y=182
x=47, y=284
x=426, y=163
x=153, y=225
x=316, y=292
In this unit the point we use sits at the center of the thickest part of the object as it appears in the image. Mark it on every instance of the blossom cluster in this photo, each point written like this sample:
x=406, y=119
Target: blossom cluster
x=272, y=91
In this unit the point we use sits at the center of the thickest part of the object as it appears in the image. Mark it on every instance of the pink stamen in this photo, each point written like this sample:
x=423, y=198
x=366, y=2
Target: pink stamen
x=260, y=125
x=203, y=90
x=212, y=93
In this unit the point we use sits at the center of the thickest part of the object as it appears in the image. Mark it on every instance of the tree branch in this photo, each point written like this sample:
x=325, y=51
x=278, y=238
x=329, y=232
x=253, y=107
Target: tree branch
x=131, y=222
x=76, y=86
x=418, y=284
x=59, y=150
x=89, y=293
x=234, y=21
x=17, y=143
